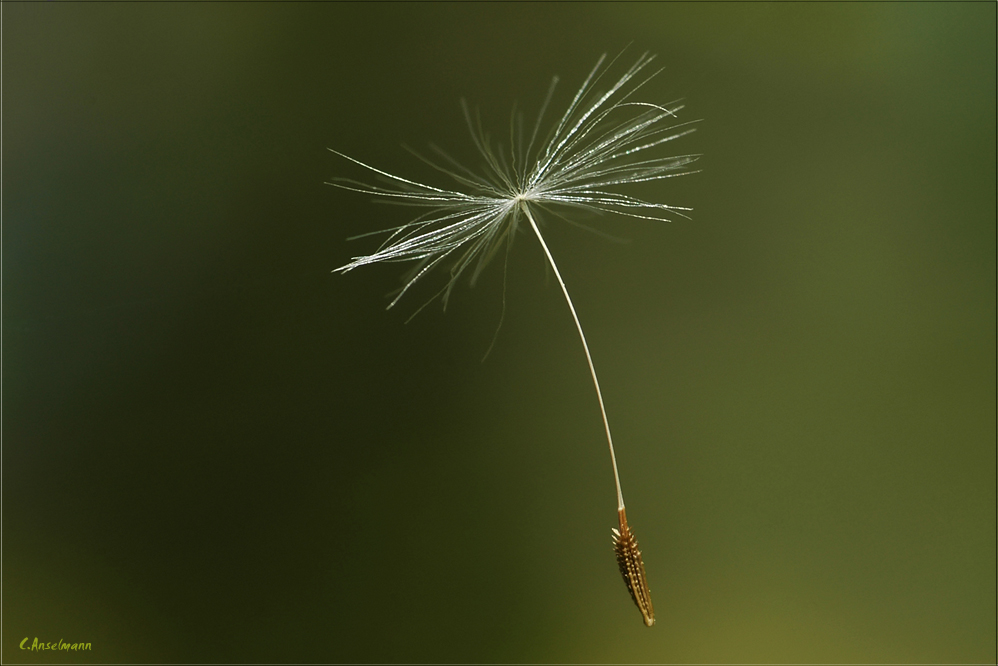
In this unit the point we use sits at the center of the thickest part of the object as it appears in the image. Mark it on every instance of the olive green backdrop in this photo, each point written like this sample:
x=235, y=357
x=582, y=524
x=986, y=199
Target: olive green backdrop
x=215, y=450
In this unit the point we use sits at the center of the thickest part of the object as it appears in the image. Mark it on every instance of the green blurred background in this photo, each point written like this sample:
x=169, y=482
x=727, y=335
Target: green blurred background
x=216, y=451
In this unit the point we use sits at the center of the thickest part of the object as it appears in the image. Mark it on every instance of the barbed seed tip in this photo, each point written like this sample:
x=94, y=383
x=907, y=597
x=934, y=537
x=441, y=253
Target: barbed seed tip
x=625, y=546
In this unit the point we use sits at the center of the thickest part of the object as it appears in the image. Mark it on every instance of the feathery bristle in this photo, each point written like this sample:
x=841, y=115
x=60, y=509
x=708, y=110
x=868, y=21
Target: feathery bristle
x=633, y=569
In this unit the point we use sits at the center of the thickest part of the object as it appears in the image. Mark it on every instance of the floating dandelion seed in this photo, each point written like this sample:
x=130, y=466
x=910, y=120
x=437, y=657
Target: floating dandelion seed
x=603, y=140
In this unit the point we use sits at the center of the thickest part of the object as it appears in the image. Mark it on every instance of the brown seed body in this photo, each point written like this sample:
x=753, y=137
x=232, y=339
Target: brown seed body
x=632, y=569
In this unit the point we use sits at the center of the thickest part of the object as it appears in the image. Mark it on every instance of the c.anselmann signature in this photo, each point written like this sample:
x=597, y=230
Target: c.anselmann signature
x=60, y=645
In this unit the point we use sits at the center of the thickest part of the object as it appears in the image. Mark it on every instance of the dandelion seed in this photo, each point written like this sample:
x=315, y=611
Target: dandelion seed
x=602, y=141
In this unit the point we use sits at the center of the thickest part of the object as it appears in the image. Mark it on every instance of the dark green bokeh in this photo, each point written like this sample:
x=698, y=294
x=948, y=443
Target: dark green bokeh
x=216, y=451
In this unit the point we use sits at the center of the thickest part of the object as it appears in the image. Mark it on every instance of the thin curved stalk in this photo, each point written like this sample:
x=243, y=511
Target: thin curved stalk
x=585, y=346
